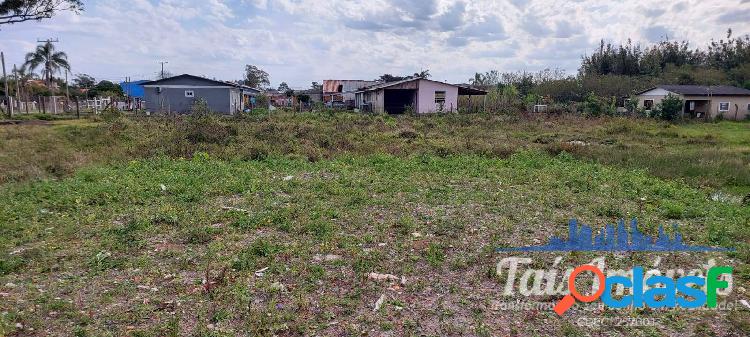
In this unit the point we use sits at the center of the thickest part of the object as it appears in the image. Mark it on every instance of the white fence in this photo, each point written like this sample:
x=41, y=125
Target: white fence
x=60, y=104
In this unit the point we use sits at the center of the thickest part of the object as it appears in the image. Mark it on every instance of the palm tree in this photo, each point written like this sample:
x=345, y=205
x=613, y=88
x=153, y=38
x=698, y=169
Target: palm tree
x=53, y=61
x=423, y=74
x=478, y=81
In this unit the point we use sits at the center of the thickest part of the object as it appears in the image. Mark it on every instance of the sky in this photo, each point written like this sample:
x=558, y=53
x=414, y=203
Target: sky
x=301, y=41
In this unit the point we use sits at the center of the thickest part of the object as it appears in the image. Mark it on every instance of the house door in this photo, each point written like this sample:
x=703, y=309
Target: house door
x=689, y=109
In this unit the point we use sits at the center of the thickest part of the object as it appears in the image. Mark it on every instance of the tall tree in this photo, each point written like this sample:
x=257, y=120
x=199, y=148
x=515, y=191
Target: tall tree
x=84, y=81
x=283, y=87
x=14, y=11
x=106, y=89
x=256, y=77
x=50, y=59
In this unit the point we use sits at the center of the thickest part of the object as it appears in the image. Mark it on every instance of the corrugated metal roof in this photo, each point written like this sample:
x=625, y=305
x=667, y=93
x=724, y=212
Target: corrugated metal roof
x=702, y=90
x=390, y=84
x=332, y=86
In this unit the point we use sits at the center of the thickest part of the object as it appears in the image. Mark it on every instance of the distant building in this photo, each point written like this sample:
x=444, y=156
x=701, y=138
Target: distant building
x=418, y=94
x=133, y=89
x=43, y=84
x=278, y=99
x=178, y=94
x=343, y=91
x=315, y=95
x=701, y=101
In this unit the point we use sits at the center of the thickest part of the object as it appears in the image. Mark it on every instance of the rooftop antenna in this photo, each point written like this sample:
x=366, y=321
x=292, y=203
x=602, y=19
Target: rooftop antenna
x=162, y=68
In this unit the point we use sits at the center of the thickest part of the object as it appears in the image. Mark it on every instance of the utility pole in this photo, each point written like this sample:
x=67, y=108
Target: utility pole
x=5, y=79
x=162, y=68
x=67, y=91
x=127, y=92
x=67, y=87
x=17, y=76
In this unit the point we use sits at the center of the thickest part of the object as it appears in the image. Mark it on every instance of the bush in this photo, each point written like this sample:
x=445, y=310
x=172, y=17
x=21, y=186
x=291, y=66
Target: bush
x=202, y=126
x=670, y=108
x=594, y=106
x=261, y=101
x=631, y=105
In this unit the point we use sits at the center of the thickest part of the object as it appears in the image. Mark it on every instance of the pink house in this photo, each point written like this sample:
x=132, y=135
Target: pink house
x=415, y=94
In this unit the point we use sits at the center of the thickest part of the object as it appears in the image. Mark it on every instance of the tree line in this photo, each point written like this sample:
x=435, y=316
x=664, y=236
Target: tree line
x=611, y=74
x=726, y=61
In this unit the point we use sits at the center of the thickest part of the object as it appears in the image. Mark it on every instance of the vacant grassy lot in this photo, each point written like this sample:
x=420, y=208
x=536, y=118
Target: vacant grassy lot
x=271, y=225
x=713, y=155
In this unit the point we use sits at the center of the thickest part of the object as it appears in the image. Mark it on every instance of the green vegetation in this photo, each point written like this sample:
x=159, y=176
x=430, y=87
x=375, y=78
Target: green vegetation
x=670, y=108
x=614, y=72
x=270, y=225
x=713, y=155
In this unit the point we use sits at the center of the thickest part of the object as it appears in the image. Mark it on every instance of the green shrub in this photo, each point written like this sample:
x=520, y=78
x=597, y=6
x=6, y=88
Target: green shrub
x=203, y=126
x=595, y=106
x=631, y=105
x=670, y=108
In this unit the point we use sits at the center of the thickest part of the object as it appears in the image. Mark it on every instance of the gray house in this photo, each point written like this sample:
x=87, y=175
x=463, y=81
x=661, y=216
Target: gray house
x=178, y=94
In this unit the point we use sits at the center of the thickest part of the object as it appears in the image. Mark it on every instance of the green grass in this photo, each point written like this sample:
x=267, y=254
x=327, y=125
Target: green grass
x=706, y=155
x=219, y=227
x=113, y=251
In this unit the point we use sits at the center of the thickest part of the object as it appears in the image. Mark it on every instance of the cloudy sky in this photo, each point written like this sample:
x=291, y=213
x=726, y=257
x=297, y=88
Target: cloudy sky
x=300, y=41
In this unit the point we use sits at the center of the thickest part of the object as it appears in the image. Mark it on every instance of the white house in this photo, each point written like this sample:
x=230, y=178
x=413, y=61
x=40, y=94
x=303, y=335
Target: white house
x=702, y=101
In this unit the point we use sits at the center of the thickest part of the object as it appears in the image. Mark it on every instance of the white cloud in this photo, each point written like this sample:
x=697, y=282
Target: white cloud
x=300, y=41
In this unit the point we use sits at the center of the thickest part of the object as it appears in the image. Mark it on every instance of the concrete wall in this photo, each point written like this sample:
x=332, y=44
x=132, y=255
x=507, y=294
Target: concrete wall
x=174, y=100
x=738, y=107
x=426, y=97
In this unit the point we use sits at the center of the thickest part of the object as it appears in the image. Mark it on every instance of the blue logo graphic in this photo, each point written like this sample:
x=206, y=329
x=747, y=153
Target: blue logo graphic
x=615, y=239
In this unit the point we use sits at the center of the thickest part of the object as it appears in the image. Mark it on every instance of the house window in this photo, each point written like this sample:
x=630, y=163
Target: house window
x=648, y=104
x=189, y=94
x=724, y=107
x=692, y=106
x=748, y=106
x=440, y=100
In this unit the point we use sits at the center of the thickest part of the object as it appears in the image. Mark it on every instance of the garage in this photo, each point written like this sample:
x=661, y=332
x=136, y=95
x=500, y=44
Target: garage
x=397, y=101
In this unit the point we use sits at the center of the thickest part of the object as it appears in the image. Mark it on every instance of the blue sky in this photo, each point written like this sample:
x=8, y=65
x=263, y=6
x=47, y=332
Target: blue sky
x=300, y=41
